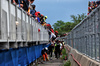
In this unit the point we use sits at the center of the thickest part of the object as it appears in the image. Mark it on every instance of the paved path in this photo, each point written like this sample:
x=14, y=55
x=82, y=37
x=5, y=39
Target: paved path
x=53, y=62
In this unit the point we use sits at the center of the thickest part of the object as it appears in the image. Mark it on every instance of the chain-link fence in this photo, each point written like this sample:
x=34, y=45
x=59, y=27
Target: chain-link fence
x=85, y=37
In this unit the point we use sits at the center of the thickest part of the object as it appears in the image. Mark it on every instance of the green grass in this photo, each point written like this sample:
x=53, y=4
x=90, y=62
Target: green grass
x=68, y=63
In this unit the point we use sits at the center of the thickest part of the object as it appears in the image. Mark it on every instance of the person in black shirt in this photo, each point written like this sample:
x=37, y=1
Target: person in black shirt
x=50, y=49
x=25, y=5
x=57, y=49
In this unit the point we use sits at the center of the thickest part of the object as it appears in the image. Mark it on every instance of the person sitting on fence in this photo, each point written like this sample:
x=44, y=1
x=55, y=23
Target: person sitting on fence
x=44, y=54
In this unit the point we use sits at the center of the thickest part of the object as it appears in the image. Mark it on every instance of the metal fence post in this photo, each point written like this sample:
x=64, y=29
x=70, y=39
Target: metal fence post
x=0, y=17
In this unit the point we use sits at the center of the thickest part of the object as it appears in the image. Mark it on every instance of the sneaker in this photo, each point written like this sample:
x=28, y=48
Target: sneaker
x=51, y=58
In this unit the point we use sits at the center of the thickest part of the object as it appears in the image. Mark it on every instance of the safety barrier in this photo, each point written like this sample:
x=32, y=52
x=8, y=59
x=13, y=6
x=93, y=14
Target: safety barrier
x=85, y=37
x=78, y=59
x=17, y=28
x=21, y=56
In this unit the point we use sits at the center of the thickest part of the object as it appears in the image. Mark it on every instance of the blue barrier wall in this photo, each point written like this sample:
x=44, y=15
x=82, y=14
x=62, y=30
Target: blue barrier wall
x=21, y=56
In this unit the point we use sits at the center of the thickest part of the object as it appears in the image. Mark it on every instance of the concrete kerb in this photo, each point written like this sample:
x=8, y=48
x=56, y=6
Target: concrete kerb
x=82, y=59
x=78, y=58
x=71, y=59
x=74, y=53
x=69, y=48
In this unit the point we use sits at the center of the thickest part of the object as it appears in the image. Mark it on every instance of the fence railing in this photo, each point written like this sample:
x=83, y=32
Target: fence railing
x=16, y=25
x=85, y=37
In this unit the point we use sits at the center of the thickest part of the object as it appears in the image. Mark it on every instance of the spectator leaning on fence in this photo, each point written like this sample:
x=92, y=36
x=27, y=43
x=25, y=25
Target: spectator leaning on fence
x=38, y=17
x=45, y=18
x=92, y=5
x=32, y=12
x=41, y=19
x=30, y=5
x=18, y=2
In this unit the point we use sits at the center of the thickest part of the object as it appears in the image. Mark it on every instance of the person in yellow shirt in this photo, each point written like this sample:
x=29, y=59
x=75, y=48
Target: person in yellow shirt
x=45, y=18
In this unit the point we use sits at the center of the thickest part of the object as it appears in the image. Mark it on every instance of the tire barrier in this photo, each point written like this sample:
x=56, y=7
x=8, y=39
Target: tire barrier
x=21, y=56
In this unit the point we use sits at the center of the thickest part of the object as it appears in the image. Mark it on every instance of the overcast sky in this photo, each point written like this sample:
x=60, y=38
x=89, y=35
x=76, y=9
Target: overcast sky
x=61, y=9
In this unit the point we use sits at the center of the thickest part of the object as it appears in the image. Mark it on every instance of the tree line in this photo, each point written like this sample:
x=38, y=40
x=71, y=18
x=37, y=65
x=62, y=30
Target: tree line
x=65, y=27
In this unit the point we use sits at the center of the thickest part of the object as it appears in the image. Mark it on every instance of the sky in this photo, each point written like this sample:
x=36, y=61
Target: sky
x=61, y=9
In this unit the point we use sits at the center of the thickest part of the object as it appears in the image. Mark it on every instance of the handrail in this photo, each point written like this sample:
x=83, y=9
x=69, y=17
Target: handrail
x=26, y=30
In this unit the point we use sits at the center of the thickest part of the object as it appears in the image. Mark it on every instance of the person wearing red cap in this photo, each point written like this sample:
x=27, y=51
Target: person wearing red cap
x=36, y=13
x=48, y=25
x=56, y=33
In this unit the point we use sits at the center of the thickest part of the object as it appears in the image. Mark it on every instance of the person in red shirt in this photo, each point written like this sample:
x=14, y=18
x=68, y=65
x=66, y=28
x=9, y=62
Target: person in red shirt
x=52, y=30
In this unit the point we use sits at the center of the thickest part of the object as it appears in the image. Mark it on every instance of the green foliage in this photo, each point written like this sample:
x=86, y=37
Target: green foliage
x=64, y=51
x=77, y=19
x=68, y=63
x=59, y=26
x=65, y=27
x=64, y=54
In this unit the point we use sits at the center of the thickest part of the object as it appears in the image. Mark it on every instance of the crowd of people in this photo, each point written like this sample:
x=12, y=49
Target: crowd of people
x=56, y=48
x=92, y=5
x=29, y=7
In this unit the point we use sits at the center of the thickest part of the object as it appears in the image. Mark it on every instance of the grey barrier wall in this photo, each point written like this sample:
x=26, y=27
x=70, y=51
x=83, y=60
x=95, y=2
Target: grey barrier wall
x=17, y=28
x=85, y=37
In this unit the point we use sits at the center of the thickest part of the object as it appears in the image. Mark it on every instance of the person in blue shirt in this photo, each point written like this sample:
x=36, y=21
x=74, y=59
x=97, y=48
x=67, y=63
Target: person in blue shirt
x=32, y=12
x=38, y=17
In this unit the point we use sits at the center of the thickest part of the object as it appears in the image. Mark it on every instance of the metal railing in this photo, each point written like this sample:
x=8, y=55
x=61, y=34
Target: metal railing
x=85, y=37
x=27, y=28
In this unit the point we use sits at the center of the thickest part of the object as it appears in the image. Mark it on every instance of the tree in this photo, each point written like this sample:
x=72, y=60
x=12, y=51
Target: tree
x=77, y=19
x=57, y=26
x=64, y=27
